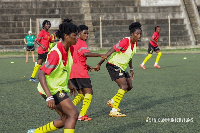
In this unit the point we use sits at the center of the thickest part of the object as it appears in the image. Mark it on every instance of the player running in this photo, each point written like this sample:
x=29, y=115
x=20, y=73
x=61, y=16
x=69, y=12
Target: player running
x=54, y=77
x=43, y=41
x=153, y=46
x=79, y=74
x=120, y=57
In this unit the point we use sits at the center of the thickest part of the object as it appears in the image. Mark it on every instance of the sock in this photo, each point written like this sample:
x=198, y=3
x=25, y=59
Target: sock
x=147, y=58
x=86, y=103
x=78, y=99
x=158, y=57
x=112, y=101
x=35, y=70
x=69, y=130
x=114, y=110
x=118, y=97
x=46, y=128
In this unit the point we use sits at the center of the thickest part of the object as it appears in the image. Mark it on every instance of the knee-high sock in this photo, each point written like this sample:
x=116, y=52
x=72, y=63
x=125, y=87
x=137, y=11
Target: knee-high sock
x=46, y=128
x=69, y=130
x=78, y=99
x=147, y=58
x=35, y=70
x=86, y=103
x=118, y=97
x=158, y=57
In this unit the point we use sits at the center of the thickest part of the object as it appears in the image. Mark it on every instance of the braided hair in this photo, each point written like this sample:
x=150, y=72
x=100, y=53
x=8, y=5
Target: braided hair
x=134, y=26
x=66, y=27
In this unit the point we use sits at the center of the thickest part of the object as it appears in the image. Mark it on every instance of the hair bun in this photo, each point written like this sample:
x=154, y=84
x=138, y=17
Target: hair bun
x=67, y=20
x=134, y=25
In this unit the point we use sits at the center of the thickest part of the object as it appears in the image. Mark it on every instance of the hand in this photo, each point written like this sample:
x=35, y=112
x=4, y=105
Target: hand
x=104, y=56
x=51, y=104
x=43, y=48
x=158, y=44
x=72, y=89
x=132, y=74
x=97, y=68
x=89, y=68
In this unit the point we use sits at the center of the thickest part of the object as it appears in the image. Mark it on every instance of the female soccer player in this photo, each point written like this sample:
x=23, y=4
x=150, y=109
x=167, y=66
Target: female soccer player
x=120, y=57
x=79, y=74
x=153, y=46
x=43, y=41
x=54, y=77
x=29, y=41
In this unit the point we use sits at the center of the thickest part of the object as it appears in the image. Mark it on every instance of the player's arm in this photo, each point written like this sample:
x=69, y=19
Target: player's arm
x=43, y=82
x=131, y=69
x=97, y=68
x=37, y=42
x=40, y=36
x=25, y=41
x=153, y=40
x=90, y=54
x=72, y=88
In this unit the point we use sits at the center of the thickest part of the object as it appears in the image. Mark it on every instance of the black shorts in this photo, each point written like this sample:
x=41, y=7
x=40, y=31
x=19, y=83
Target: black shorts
x=151, y=49
x=43, y=56
x=116, y=72
x=58, y=97
x=81, y=83
x=30, y=48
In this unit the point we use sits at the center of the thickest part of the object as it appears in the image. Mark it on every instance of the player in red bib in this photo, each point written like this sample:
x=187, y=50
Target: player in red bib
x=153, y=46
x=79, y=75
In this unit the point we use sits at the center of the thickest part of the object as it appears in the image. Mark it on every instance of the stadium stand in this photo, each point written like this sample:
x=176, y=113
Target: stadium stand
x=116, y=16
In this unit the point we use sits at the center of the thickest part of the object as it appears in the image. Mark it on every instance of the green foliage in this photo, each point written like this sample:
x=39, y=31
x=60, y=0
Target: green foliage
x=169, y=92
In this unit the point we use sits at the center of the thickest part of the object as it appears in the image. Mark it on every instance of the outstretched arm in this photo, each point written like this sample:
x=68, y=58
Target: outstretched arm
x=97, y=68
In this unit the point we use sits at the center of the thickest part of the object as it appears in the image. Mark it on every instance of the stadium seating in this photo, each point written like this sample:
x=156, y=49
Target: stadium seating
x=116, y=16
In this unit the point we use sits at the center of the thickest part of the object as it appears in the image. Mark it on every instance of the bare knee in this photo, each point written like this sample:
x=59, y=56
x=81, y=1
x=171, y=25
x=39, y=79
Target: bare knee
x=124, y=87
x=74, y=114
x=130, y=88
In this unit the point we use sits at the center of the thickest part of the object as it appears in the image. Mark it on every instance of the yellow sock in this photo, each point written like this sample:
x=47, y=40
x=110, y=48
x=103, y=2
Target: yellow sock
x=78, y=99
x=35, y=70
x=118, y=97
x=46, y=128
x=147, y=58
x=69, y=130
x=158, y=57
x=86, y=103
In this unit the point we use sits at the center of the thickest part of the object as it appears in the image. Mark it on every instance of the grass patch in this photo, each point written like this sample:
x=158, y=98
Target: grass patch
x=169, y=92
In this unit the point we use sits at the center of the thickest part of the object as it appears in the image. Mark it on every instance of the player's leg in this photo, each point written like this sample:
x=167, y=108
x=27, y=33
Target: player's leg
x=79, y=97
x=114, y=73
x=85, y=83
x=27, y=53
x=41, y=59
x=158, y=58
x=122, y=83
x=150, y=52
x=69, y=113
x=33, y=55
